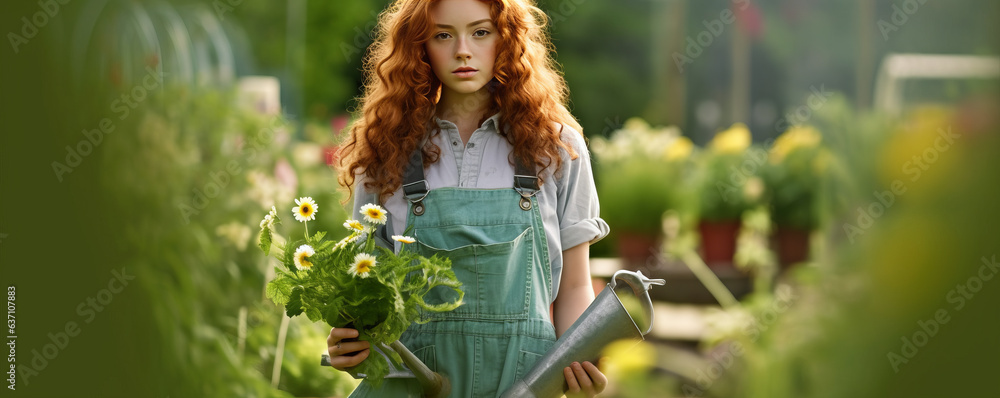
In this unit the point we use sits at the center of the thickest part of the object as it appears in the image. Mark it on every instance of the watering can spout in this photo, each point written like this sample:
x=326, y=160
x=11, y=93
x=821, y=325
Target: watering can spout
x=603, y=322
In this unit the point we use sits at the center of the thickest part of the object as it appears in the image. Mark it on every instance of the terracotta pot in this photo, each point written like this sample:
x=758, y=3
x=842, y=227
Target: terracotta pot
x=792, y=245
x=718, y=241
x=637, y=248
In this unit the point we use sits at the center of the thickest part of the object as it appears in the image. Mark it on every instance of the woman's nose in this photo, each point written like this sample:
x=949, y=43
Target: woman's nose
x=462, y=51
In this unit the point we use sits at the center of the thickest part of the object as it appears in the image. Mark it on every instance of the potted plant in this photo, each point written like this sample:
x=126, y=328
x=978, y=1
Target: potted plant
x=639, y=173
x=728, y=185
x=794, y=177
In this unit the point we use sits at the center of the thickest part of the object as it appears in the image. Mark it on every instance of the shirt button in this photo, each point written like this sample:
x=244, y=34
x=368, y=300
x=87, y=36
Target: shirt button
x=455, y=143
x=472, y=145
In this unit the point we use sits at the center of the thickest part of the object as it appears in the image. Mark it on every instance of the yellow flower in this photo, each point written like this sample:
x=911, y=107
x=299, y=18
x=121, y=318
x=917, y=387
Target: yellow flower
x=301, y=257
x=403, y=239
x=794, y=138
x=628, y=357
x=305, y=209
x=734, y=140
x=374, y=214
x=354, y=225
x=635, y=124
x=753, y=188
x=363, y=264
x=680, y=149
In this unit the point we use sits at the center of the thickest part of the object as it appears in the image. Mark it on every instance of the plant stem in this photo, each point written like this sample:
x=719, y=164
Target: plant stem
x=307, y=229
x=710, y=280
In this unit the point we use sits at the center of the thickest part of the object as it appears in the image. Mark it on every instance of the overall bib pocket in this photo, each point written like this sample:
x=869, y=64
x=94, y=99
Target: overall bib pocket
x=484, y=262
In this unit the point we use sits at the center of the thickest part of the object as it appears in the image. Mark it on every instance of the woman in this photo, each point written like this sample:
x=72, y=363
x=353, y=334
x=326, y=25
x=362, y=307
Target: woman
x=462, y=104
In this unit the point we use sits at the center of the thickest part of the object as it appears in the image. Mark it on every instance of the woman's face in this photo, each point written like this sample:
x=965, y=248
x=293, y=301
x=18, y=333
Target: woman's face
x=462, y=47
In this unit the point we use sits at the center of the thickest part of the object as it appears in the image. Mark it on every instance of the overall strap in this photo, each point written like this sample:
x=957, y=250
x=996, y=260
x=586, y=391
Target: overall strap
x=415, y=184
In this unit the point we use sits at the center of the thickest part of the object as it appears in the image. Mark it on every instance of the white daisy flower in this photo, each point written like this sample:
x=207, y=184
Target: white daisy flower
x=374, y=214
x=403, y=239
x=354, y=225
x=266, y=222
x=363, y=264
x=349, y=239
x=301, y=257
x=305, y=209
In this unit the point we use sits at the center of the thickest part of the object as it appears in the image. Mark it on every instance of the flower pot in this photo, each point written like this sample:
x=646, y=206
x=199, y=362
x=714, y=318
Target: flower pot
x=792, y=245
x=718, y=241
x=636, y=249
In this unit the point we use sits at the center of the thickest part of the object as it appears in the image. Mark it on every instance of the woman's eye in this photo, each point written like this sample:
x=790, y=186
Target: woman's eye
x=442, y=36
x=481, y=33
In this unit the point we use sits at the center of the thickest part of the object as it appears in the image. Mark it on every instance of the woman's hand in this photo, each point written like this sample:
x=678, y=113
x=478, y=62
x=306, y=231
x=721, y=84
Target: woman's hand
x=336, y=347
x=584, y=380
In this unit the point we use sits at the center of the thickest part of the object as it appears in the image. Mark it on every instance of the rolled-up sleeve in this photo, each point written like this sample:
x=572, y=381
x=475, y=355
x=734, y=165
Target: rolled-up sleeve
x=577, y=207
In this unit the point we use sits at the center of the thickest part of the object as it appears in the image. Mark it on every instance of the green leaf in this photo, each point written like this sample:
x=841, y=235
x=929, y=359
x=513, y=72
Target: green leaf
x=288, y=254
x=314, y=314
x=325, y=246
x=318, y=236
x=279, y=290
x=375, y=367
x=294, y=305
x=265, y=240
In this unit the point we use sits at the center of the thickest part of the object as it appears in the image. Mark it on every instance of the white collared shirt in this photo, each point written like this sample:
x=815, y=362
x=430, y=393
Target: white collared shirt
x=567, y=202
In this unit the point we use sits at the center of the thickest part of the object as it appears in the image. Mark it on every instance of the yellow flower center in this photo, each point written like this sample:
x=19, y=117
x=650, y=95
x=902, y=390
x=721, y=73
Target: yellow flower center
x=374, y=213
x=306, y=210
x=364, y=266
x=303, y=259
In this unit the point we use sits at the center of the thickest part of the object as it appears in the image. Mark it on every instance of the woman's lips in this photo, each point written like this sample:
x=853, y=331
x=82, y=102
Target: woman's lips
x=465, y=73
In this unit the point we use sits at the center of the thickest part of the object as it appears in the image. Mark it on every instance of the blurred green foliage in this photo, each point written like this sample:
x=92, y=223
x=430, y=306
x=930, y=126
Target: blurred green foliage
x=191, y=231
x=177, y=330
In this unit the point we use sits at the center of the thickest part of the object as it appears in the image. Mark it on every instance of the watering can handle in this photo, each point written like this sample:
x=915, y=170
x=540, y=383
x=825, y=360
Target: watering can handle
x=640, y=285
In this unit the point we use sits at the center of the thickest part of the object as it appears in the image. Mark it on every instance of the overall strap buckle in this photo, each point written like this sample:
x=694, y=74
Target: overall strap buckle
x=525, y=182
x=414, y=183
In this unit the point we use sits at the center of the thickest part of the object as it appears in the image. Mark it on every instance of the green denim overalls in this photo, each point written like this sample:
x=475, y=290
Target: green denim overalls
x=497, y=247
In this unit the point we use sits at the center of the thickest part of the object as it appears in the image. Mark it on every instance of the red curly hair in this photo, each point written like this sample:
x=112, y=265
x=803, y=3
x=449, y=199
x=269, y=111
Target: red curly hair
x=401, y=94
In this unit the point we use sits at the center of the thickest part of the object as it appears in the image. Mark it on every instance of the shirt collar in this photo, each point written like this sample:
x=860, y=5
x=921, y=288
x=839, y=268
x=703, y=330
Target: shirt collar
x=495, y=120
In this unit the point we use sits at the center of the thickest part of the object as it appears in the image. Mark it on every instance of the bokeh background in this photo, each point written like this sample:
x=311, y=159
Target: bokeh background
x=817, y=181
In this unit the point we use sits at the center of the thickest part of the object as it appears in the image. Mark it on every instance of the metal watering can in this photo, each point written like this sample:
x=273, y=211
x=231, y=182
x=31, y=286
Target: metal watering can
x=433, y=383
x=606, y=320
